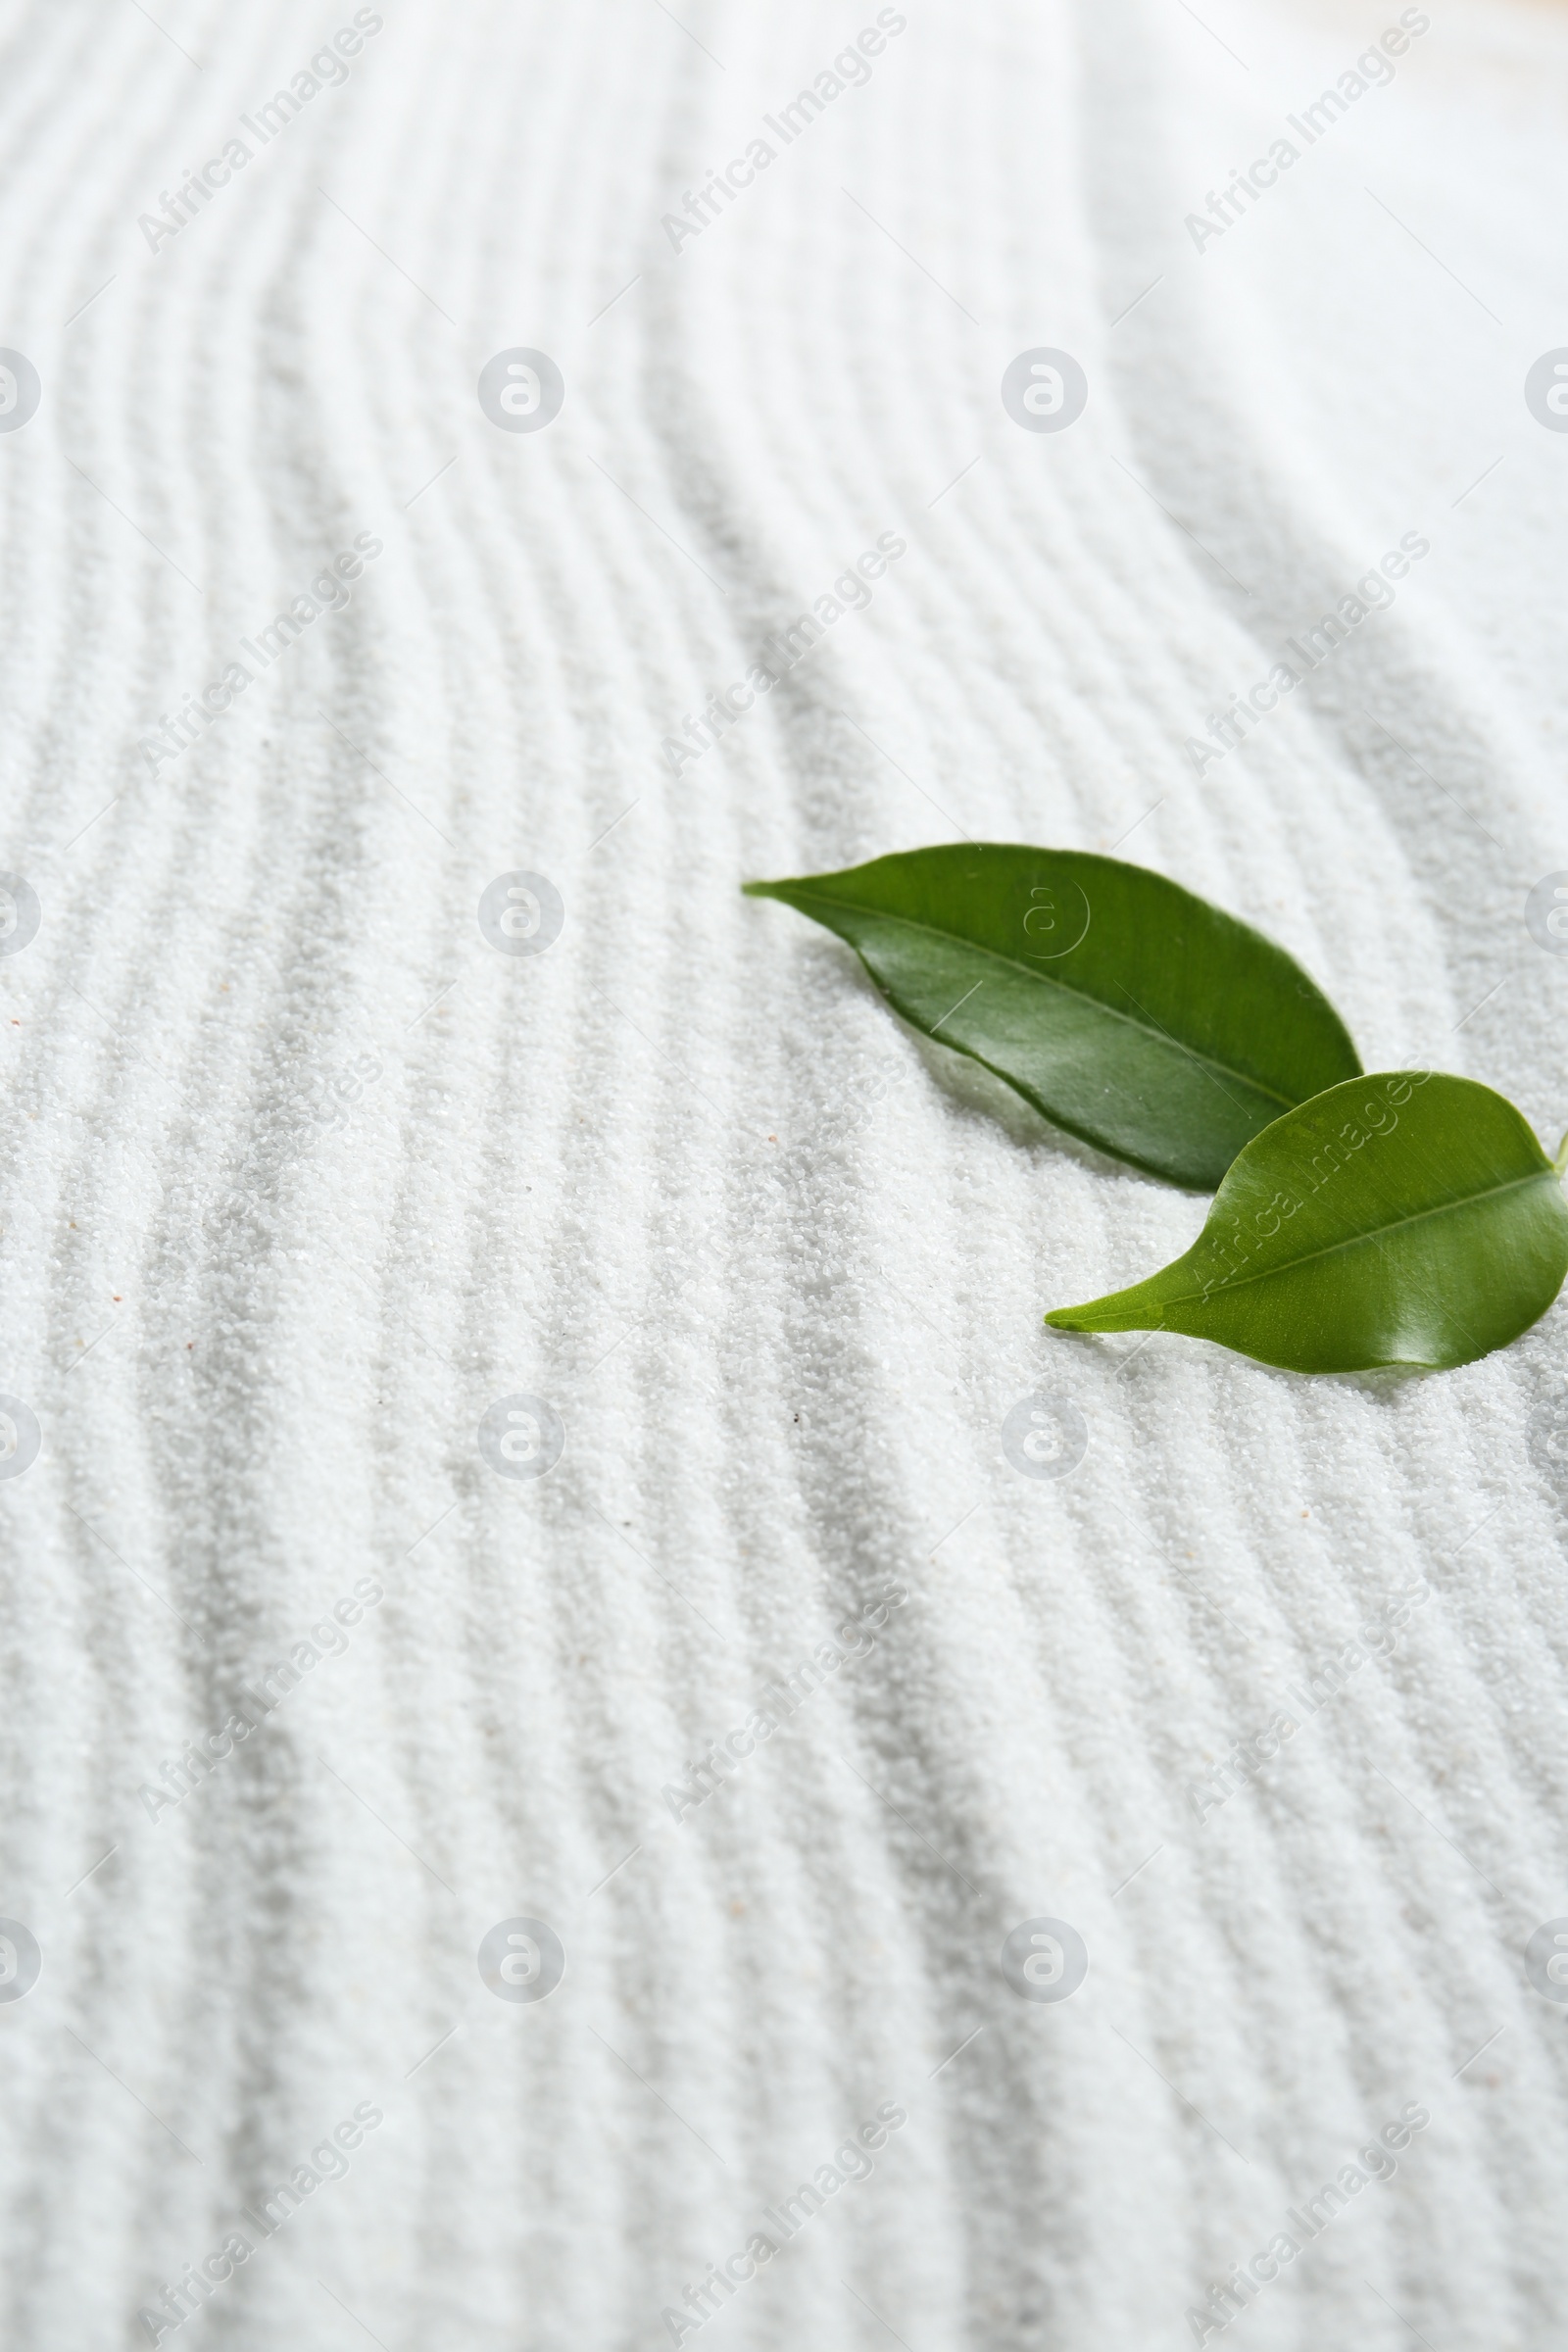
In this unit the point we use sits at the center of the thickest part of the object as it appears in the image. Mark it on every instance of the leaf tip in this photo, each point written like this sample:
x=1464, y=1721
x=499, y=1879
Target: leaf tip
x=1118, y=1310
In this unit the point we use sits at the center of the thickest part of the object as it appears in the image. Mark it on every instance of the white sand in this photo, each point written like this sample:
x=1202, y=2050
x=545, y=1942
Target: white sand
x=778, y=1266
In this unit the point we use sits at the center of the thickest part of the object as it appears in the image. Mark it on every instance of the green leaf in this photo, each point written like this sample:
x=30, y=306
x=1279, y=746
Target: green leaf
x=1129, y=1012
x=1404, y=1218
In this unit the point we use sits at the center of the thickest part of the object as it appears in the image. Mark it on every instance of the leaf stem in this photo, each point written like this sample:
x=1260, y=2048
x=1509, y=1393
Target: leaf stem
x=1561, y=1164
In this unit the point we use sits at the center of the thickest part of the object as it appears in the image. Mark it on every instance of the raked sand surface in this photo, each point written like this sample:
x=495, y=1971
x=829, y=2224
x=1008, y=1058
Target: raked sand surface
x=303, y=1175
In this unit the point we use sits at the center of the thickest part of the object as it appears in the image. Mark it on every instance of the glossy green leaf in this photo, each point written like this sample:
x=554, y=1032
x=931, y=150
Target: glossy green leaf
x=1129, y=1012
x=1405, y=1218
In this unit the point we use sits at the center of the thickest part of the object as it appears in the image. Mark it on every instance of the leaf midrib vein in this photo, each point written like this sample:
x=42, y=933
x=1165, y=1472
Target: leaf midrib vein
x=1355, y=1241
x=1080, y=996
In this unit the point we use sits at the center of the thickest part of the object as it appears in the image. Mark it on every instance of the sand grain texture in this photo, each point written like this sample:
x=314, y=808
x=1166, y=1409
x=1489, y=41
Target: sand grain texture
x=778, y=1265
